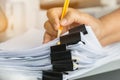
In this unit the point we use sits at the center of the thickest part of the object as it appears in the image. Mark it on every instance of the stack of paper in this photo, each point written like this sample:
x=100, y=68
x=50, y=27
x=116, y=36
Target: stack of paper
x=88, y=53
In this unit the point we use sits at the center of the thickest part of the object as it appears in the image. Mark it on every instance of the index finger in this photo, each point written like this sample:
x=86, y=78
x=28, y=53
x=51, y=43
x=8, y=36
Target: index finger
x=54, y=17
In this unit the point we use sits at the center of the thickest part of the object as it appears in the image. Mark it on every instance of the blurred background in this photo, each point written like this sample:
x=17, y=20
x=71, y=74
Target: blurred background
x=29, y=16
x=23, y=15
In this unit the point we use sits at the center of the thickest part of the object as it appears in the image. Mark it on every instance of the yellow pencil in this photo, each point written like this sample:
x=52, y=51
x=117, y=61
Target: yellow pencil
x=64, y=11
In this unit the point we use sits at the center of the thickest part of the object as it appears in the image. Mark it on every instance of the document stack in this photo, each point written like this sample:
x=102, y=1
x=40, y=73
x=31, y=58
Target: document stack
x=79, y=52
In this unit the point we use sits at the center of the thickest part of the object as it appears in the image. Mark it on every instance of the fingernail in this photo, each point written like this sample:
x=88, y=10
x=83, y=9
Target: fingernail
x=63, y=22
x=43, y=42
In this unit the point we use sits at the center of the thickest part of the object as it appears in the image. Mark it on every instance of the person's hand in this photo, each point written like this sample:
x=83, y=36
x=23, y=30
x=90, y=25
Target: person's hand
x=72, y=18
x=3, y=21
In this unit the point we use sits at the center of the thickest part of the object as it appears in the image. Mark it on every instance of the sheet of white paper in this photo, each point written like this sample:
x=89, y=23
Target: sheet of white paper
x=32, y=38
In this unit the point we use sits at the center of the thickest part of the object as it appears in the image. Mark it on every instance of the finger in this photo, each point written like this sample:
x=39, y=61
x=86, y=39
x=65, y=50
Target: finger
x=54, y=17
x=69, y=19
x=47, y=38
x=49, y=29
x=65, y=29
x=75, y=17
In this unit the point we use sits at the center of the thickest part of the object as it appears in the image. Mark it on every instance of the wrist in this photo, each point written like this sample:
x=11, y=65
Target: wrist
x=103, y=28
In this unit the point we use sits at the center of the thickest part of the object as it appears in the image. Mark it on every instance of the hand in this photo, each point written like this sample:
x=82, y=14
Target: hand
x=3, y=21
x=71, y=19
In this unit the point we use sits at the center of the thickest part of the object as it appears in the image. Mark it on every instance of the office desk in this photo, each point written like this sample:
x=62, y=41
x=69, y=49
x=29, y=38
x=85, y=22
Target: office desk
x=110, y=71
x=112, y=75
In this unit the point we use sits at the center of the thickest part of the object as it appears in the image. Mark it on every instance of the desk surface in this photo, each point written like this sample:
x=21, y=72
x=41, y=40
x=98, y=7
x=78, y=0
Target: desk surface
x=104, y=69
x=112, y=75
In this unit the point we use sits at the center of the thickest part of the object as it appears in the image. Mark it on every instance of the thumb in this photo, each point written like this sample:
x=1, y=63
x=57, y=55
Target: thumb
x=70, y=18
x=74, y=17
x=67, y=20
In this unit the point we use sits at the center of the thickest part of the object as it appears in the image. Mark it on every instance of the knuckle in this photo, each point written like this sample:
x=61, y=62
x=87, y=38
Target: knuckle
x=45, y=24
x=50, y=12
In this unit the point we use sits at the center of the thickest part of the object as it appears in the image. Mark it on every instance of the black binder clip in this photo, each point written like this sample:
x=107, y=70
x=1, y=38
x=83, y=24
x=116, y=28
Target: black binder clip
x=58, y=48
x=62, y=55
x=64, y=65
x=61, y=58
x=80, y=28
x=52, y=75
x=70, y=38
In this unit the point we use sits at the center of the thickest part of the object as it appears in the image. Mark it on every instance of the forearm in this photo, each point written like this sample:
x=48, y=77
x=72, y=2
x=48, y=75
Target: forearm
x=47, y=4
x=111, y=28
